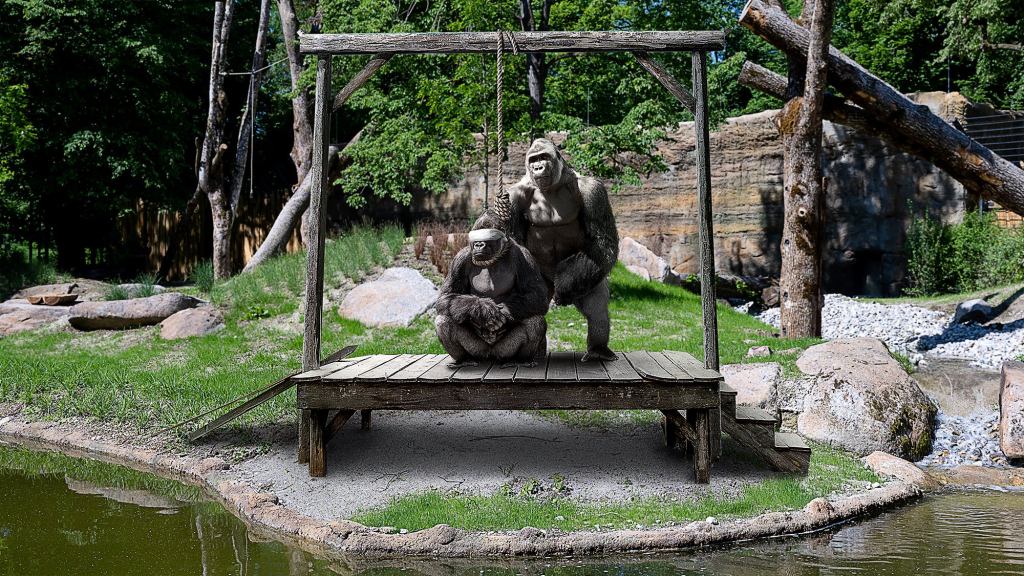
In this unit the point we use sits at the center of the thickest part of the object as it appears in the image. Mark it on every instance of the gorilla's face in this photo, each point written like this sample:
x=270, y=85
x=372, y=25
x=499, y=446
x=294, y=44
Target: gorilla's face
x=544, y=169
x=487, y=250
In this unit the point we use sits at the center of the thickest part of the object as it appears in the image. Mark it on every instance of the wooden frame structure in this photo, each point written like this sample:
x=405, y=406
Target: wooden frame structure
x=383, y=46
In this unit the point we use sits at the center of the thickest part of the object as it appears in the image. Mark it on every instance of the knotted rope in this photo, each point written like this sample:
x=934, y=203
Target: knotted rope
x=502, y=206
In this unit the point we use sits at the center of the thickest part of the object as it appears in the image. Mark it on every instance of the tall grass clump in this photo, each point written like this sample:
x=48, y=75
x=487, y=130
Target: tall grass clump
x=147, y=282
x=974, y=254
x=202, y=277
x=16, y=272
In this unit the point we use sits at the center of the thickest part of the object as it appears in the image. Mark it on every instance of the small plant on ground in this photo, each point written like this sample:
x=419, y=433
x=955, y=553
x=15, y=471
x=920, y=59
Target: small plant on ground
x=147, y=282
x=116, y=292
x=202, y=276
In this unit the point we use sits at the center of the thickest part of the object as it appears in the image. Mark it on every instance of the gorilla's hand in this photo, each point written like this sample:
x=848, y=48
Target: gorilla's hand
x=487, y=315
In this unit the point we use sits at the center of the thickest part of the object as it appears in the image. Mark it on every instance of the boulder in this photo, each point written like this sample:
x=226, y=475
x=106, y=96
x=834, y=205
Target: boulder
x=394, y=299
x=121, y=314
x=191, y=322
x=639, y=271
x=19, y=315
x=755, y=384
x=976, y=310
x=635, y=254
x=885, y=464
x=1011, y=409
x=860, y=399
x=759, y=352
x=87, y=290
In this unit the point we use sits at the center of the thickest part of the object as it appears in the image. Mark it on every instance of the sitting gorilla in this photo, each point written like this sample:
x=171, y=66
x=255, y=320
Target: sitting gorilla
x=566, y=222
x=492, y=303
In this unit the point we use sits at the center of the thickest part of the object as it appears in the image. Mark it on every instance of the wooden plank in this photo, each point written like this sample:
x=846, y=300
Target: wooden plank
x=517, y=395
x=705, y=235
x=417, y=368
x=590, y=371
x=693, y=366
x=647, y=367
x=314, y=375
x=499, y=373
x=752, y=414
x=439, y=372
x=533, y=373
x=473, y=373
x=336, y=424
x=621, y=370
x=790, y=441
x=485, y=42
x=350, y=372
x=678, y=372
x=317, y=443
x=667, y=81
x=381, y=372
x=562, y=366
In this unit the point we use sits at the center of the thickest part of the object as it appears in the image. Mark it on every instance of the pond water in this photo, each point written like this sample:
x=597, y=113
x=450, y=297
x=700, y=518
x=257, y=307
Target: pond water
x=60, y=515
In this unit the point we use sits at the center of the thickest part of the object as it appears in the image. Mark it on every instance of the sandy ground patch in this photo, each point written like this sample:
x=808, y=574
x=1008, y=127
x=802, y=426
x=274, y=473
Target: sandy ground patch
x=476, y=453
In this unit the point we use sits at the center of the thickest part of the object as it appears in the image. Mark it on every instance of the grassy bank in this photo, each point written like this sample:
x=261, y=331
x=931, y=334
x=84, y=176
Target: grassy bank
x=136, y=378
x=830, y=471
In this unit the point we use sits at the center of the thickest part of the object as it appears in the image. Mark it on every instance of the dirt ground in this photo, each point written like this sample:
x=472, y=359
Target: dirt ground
x=476, y=453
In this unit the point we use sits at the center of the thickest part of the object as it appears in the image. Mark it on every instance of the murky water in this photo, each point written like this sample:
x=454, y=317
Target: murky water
x=59, y=515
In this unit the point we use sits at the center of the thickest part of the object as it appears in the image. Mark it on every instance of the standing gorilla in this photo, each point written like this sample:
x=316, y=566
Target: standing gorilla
x=566, y=222
x=492, y=303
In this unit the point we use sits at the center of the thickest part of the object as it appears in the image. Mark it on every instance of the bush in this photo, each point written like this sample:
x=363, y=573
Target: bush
x=202, y=276
x=975, y=254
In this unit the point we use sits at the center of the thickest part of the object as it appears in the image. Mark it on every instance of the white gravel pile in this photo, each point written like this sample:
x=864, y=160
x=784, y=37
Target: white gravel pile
x=972, y=440
x=917, y=332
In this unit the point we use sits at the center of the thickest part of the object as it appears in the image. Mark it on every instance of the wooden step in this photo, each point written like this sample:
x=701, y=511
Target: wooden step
x=754, y=415
x=728, y=396
x=793, y=451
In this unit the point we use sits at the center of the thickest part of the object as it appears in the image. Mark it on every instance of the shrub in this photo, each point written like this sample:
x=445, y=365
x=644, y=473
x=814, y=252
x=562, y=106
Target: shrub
x=147, y=284
x=116, y=292
x=974, y=254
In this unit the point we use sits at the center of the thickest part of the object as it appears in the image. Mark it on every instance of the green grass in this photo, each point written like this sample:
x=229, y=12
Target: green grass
x=830, y=471
x=137, y=379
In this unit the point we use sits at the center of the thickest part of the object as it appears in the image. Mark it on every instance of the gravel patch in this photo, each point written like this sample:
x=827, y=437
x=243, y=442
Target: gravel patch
x=970, y=440
x=917, y=332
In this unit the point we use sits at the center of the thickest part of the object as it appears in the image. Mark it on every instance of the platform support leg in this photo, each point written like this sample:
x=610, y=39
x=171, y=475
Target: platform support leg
x=364, y=419
x=317, y=443
x=702, y=445
x=670, y=433
x=716, y=434
x=303, y=436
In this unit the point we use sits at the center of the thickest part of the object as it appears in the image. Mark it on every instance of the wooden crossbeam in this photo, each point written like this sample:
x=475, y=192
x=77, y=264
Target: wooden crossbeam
x=478, y=42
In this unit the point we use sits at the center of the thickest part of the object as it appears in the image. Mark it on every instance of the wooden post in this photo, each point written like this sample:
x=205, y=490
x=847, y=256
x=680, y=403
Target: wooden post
x=702, y=446
x=317, y=443
x=315, y=255
x=709, y=313
x=364, y=416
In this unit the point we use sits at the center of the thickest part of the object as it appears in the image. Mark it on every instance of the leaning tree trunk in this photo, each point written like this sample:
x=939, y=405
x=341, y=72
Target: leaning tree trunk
x=800, y=294
x=536, y=63
x=976, y=167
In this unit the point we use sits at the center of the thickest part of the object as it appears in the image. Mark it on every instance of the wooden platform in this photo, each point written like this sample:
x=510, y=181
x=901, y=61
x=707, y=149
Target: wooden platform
x=667, y=381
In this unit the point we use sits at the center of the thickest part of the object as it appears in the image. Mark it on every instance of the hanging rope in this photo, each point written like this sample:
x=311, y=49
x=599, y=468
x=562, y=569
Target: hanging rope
x=502, y=209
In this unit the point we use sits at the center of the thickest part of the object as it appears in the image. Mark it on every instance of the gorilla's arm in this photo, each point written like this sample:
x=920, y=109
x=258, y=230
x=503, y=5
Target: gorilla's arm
x=517, y=197
x=530, y=295
x=576, y=275
x=454, y=300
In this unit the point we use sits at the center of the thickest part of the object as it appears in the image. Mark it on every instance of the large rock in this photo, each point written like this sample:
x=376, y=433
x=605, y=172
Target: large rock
x=136, y=289
x=1011, y=409
x=976, y=310
x=191, y=322
x=755, y=384
x=633, y=254
x=862, y=400
x=120, y=314
x=87, y=290
x=885, y=464
x=394, y=299
x=18, y=316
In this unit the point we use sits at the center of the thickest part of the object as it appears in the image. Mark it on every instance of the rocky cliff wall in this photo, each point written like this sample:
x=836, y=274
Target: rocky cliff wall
x=873, y=192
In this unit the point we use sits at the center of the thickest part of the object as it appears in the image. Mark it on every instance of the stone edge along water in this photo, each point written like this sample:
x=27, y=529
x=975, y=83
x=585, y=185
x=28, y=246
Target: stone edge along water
x=334, y=538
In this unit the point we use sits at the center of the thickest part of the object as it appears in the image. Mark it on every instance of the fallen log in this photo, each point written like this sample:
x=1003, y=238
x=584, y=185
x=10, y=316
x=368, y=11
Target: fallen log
x=976, y=167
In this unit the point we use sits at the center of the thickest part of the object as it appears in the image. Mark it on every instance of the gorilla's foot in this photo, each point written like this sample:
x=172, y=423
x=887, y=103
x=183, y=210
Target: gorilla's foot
x=521, y=364
x=455, y=365
x=599, y=353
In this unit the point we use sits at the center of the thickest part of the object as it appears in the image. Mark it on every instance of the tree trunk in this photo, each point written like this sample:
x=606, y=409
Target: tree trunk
x=980, y=170
x=302, y=113
x=803, y=192
x=536, y=63
x=245, y=126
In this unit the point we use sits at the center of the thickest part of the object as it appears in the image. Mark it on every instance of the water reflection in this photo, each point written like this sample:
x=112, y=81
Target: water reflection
x=59, y=515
